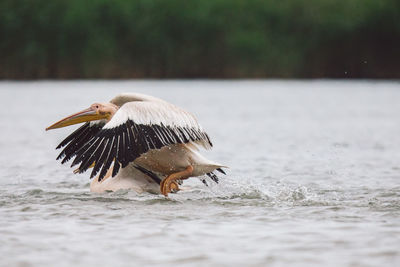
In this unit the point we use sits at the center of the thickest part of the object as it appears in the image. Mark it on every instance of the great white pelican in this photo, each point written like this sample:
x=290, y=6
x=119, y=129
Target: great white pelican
x=137, y=142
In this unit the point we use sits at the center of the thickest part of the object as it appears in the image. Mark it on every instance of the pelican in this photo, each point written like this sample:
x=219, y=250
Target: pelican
x=137, y=142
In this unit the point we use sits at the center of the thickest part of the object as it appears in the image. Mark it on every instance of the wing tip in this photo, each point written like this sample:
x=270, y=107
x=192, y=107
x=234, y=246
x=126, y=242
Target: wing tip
x=213, y=177
x=221, y=170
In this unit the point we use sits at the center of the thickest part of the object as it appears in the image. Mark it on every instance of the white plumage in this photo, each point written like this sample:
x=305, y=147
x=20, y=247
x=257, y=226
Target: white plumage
x=151, y=113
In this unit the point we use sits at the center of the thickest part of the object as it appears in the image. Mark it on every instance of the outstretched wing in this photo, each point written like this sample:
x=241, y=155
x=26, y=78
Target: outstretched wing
x=79, y=138
x=134, y=129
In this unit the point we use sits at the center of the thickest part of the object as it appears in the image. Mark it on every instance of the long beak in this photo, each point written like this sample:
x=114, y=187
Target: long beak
x=88, y=114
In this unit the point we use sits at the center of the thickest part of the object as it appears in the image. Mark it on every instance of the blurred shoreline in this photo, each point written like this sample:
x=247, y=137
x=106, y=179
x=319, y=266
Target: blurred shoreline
x=221, y=39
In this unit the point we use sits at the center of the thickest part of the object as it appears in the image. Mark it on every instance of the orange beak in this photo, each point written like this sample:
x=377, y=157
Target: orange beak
x=89, y=114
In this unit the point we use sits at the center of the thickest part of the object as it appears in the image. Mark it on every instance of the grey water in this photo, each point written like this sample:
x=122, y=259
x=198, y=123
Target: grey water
x=314, y=179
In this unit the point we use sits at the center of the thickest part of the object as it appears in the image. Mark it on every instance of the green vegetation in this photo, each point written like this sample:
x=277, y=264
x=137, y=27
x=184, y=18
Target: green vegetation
x=209, y=38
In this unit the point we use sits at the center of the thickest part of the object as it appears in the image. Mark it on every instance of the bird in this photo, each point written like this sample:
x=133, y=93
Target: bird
x=137, y=141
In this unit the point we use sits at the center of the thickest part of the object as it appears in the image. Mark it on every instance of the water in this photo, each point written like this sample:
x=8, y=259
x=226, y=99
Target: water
x=313, y=179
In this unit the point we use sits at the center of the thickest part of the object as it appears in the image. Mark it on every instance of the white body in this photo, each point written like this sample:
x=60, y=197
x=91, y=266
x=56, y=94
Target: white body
x=127, y=178
x=162, y=161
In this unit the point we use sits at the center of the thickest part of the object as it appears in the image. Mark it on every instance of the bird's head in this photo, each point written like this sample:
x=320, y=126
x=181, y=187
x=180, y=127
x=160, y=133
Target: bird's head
x=97, y=111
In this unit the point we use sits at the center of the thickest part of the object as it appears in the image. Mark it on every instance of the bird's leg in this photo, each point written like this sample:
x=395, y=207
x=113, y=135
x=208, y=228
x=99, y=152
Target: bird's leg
x=170, y=182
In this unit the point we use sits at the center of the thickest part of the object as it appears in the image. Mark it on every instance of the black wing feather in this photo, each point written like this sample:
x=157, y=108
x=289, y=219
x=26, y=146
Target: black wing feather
x=74, y=135
x=103, y=155
x=213, y=177
x=151, y=174
x=109, y=160
x=77, y=139
x=123, y=144
x=221, y=171
x=68, y=151
x=116, y=168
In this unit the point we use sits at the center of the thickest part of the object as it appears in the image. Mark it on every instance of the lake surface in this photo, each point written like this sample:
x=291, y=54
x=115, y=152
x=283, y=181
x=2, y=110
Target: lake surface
x=314, y=179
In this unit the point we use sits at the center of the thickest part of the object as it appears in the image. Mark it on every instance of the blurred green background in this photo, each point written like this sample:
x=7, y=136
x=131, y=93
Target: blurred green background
x=199, y=39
